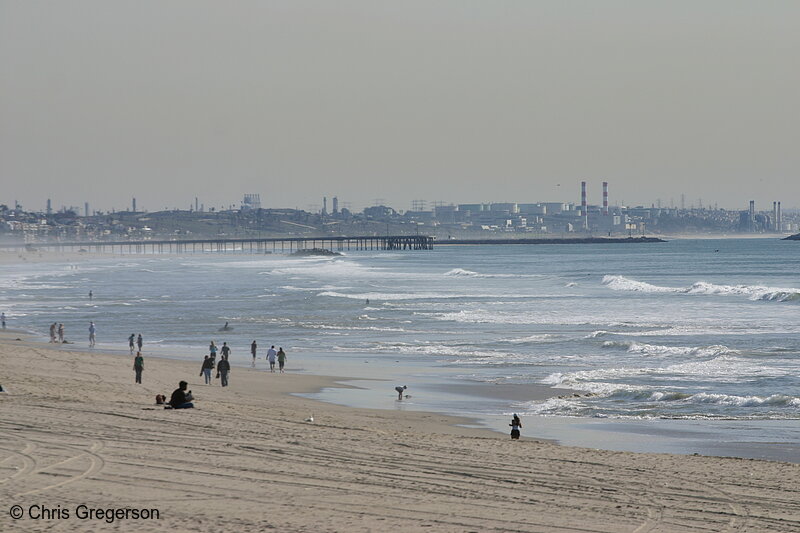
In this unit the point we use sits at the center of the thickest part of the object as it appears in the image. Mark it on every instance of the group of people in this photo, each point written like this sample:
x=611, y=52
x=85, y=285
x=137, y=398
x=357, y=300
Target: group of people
x=223, y=367
x=57, y=333
x=134, y=341
x=272, y=356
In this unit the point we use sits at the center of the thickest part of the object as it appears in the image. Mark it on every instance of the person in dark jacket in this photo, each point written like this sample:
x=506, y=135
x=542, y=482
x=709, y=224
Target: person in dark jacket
x=138, y=366
x=205, y=371
x=223, y=367
x=180, y=398
x=516, y=425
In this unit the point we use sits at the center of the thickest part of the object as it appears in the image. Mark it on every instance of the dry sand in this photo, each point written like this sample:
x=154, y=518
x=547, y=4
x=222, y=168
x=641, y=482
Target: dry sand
x=76, y=430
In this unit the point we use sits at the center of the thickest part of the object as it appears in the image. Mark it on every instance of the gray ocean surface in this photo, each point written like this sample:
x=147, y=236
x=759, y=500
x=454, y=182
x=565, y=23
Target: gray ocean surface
x=684, y=346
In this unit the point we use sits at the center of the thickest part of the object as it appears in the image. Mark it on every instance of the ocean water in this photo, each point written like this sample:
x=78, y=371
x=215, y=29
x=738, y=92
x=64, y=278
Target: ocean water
x=685, y=334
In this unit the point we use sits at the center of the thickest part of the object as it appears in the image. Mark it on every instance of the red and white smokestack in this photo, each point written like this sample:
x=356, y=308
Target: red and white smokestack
x=584, y=209
x=605, y=198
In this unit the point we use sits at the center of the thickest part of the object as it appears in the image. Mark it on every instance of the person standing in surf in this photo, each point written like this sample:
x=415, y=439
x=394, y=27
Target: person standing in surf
x=253, y=348
x=132, y=342
x=281, y=359
x=226, y=350
x=516, y=425
x=92, y=333
x=139, y=342
x=271, y=355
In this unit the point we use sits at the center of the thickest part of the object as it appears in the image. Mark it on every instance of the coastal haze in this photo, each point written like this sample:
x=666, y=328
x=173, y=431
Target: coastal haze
x=447, y=214
x=452, y=101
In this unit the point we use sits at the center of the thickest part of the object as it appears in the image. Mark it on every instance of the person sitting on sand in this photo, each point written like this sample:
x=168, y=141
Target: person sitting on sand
x=180, y=398
x=400, y=390
x=515, y=424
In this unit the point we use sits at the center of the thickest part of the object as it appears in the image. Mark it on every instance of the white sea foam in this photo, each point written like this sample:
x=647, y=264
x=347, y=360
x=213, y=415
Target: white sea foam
x=652, y=349
x=753, y=292
x=464, y=273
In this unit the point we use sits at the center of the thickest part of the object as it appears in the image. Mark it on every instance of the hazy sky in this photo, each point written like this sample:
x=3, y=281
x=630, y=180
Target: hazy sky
x=459, y=101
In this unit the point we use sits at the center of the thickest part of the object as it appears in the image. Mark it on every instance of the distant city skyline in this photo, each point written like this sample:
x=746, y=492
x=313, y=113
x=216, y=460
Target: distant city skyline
x=448, y=101
x=316, y=205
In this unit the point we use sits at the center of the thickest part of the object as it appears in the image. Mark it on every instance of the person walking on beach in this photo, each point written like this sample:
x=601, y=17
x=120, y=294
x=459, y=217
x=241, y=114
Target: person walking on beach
x=212, y=351
x=139, y=342
x=61, y=333
x=516, y=425
x=226, y=350
x=253, y=348
x=400, y=390
x=271, y=355
x=223, y=367
x=132, y=342
x=138, y=367
x=92, y=333
x=281, y=359
x=205, y=371
x=53, y=332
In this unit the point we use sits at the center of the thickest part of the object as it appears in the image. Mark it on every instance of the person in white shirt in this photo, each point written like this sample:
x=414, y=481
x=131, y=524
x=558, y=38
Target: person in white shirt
x=271, y=355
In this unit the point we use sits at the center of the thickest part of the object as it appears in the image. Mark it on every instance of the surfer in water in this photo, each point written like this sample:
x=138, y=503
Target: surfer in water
x=226, y=327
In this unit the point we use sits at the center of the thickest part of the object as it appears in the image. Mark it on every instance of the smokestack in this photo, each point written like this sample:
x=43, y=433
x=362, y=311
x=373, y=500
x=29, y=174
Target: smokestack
x=133, y=205
x=780, y=218
x=605, y=198
x=584, y=209
x=86, y=209
x=196, y=204
x=774, y=216
x=324, y=205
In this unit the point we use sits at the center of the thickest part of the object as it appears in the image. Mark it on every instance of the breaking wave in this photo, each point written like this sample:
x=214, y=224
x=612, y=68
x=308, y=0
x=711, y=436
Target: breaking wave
x=653, y=349
x=753, y=292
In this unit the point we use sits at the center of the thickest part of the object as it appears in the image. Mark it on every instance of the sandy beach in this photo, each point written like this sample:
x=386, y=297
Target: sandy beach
x=78, y=434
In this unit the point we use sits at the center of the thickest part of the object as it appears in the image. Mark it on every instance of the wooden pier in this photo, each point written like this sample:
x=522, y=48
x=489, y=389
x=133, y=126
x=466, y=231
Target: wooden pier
x=245, y=245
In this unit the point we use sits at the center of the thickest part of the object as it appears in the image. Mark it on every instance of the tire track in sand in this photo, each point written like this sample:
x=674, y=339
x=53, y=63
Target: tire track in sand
x=97, y=463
